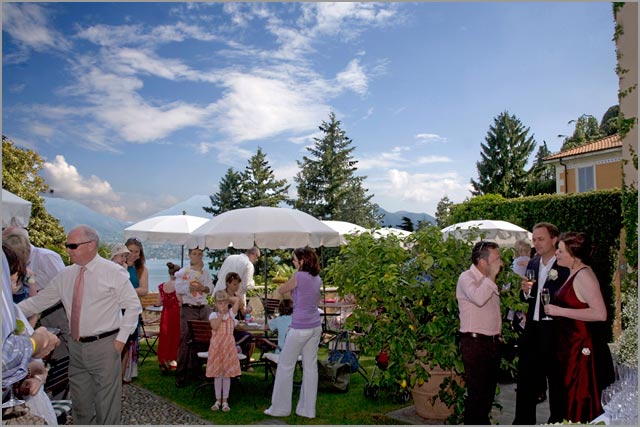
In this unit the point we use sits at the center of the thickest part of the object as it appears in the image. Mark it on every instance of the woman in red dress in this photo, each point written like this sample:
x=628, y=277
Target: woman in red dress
x=169, y=338
x=584, y=362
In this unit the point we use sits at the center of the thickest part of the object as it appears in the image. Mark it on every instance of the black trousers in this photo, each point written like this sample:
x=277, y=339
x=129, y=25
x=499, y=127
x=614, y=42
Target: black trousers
x=536, y=366
x=481, y=363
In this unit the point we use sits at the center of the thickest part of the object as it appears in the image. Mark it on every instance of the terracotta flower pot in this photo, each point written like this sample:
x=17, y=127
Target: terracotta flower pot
x=423, y=394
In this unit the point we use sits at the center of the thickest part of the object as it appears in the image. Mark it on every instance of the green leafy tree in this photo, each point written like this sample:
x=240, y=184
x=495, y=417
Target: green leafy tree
x=504, y=155
x=542, y=177
x=327, y=185
x=609, y=122
x=586, y=130
x=442, y=212
x=20, y=169
x=407, y=224
x=229, y=196
x=259, y=185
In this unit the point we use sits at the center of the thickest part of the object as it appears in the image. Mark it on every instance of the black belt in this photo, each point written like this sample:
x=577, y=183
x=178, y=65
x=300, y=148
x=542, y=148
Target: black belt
x=478, y=336
x=193, y=305
x=50, y=310
x=99, y=336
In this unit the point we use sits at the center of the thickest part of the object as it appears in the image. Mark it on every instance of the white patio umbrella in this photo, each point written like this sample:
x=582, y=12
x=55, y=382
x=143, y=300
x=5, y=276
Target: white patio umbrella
x=15, y=210
x=165, y=229
x=384, y=232
x=344, y=228
x=502, y=232
x=264, y=227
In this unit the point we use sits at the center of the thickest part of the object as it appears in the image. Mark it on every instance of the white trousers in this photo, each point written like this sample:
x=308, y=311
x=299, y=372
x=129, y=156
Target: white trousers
x=299, y=342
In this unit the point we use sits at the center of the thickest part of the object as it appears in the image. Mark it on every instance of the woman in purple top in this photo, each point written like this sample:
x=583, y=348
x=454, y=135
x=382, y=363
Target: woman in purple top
x=303, y=338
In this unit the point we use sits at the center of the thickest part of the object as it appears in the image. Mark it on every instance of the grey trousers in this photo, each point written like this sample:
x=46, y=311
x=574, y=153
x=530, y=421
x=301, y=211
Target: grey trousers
x=95, y=382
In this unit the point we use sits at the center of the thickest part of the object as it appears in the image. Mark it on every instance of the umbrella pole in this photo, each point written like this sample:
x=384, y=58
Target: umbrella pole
x=266, y=319
x=182, y=256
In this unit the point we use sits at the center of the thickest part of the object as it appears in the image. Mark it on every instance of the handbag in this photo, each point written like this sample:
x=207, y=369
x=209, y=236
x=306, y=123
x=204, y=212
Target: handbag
x=21, y=415
x=333, y=376
x=343, y=353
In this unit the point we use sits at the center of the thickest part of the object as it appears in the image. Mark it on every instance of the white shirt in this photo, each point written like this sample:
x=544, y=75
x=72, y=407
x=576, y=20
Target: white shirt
x=107, y=290
x=45, y=265
x=240, y=264
x=543, y=272
x=184, y=276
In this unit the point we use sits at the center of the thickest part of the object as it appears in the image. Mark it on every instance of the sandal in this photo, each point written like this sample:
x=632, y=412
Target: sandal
x=216, y=406
x=225, y=407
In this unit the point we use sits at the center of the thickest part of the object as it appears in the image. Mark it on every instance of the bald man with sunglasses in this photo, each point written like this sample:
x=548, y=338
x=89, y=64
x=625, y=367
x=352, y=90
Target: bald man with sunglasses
x=94, y=291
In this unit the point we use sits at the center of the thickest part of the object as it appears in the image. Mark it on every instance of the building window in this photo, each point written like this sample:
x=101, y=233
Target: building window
x=586, y=181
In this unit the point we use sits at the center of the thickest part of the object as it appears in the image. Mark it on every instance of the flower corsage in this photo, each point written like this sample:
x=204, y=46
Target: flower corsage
x=553, y=274
x=586, y=351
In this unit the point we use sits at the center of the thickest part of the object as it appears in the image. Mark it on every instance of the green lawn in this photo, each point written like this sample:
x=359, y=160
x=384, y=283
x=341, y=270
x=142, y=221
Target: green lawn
x=248, y=401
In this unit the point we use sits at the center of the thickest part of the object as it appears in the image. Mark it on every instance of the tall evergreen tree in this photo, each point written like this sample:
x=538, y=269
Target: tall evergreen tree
x=328, y=188
x=229, y=196
x=407, y=224
x=260, y=187
x=20, y=169
x=542, y=177
x=504, y=156
x=443, y=211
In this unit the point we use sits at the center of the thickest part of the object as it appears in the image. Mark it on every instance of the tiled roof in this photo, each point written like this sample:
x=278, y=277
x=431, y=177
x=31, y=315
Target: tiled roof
x=606, y=143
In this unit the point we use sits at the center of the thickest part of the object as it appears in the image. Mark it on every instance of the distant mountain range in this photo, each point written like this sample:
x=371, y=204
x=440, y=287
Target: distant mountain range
x=111, y=230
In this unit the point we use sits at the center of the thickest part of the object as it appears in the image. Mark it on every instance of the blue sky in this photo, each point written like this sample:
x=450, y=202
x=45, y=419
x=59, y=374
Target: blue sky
x=138, y=106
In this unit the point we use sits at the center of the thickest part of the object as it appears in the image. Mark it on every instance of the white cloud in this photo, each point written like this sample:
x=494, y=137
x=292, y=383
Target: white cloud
x=433, y=159
x=29, y=27
x=426, y=138
x=353, y=77
x=42, y=129
x=384, y=160
x=92, y=191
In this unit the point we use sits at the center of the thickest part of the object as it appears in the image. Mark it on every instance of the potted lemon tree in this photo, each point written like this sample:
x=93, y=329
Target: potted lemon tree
x=406, y=306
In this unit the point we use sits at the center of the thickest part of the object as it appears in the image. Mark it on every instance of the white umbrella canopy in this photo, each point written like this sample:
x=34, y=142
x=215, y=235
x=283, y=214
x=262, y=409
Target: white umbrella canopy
x=385, y=232
x=502, y=232
x=15, y=210
x=344, y=228
x=165, y=228
x=264, y=227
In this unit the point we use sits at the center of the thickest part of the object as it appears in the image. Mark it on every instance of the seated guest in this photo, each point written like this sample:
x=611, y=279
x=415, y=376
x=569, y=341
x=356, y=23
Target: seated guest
x=282, y=322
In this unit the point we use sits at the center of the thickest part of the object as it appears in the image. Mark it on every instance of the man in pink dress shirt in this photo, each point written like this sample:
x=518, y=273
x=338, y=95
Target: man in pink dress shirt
x=480, y=325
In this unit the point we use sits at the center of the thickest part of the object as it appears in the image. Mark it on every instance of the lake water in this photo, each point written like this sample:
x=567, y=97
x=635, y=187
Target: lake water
x=159, y=273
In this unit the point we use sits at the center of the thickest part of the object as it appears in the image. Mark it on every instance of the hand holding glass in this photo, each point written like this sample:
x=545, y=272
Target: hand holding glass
x=530, y=275
x=546, y=299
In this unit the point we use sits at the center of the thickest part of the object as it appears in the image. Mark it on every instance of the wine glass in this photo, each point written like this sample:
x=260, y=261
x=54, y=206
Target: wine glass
x=12, y=399
x=530, y=275
x=545, y=296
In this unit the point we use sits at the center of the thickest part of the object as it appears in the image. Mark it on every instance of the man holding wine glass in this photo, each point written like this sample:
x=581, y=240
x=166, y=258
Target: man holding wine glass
x=543, y=278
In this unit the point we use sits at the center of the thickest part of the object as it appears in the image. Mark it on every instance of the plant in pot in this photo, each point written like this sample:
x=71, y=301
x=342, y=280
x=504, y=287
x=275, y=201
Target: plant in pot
x=406, y=306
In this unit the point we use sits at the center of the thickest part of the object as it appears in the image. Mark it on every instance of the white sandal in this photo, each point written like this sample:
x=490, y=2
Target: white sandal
x=225, y=407
x=216, y=406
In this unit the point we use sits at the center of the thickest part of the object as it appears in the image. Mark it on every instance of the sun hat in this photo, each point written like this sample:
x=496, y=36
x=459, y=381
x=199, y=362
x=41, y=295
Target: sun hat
x=119, y=249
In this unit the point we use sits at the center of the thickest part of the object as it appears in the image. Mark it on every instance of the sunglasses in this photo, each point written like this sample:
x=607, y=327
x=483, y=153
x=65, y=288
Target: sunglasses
x=75, y=245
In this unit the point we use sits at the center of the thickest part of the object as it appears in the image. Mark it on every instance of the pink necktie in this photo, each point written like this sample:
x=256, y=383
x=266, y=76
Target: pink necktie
x=76, y=304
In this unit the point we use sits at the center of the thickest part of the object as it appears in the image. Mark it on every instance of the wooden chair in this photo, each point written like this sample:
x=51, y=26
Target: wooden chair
x=199, y=338
x=149, y=325
x=270, y=306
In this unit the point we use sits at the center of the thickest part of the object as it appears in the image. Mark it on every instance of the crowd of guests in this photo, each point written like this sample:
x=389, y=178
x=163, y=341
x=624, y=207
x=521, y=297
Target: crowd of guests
x=561, y=350
x=97, y=326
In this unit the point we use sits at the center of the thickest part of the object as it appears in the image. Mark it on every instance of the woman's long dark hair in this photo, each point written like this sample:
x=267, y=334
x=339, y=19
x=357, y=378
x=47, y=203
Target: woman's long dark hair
x=139, y=264
x=309, y=258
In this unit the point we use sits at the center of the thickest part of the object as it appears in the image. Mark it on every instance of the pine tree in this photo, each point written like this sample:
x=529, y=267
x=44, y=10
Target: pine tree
x=542, y=177
x=328, y=188
x=260, y=188
x=586, y=130
x=229, y=196
x=407, y=224
x=501, y=169
x=443, y=211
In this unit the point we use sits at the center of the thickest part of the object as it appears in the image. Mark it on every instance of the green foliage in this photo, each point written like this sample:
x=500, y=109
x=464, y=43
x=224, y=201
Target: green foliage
x=501, y=169
x=542, y=178
x=327, y=185
x=597, y=213
x=259, y=185
x=626, y=346
x=609, y=122
x=407, y=224
x=586, y=130
x=229, y=196
x=20, y=169
x=442, y=212
x=406, y=303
